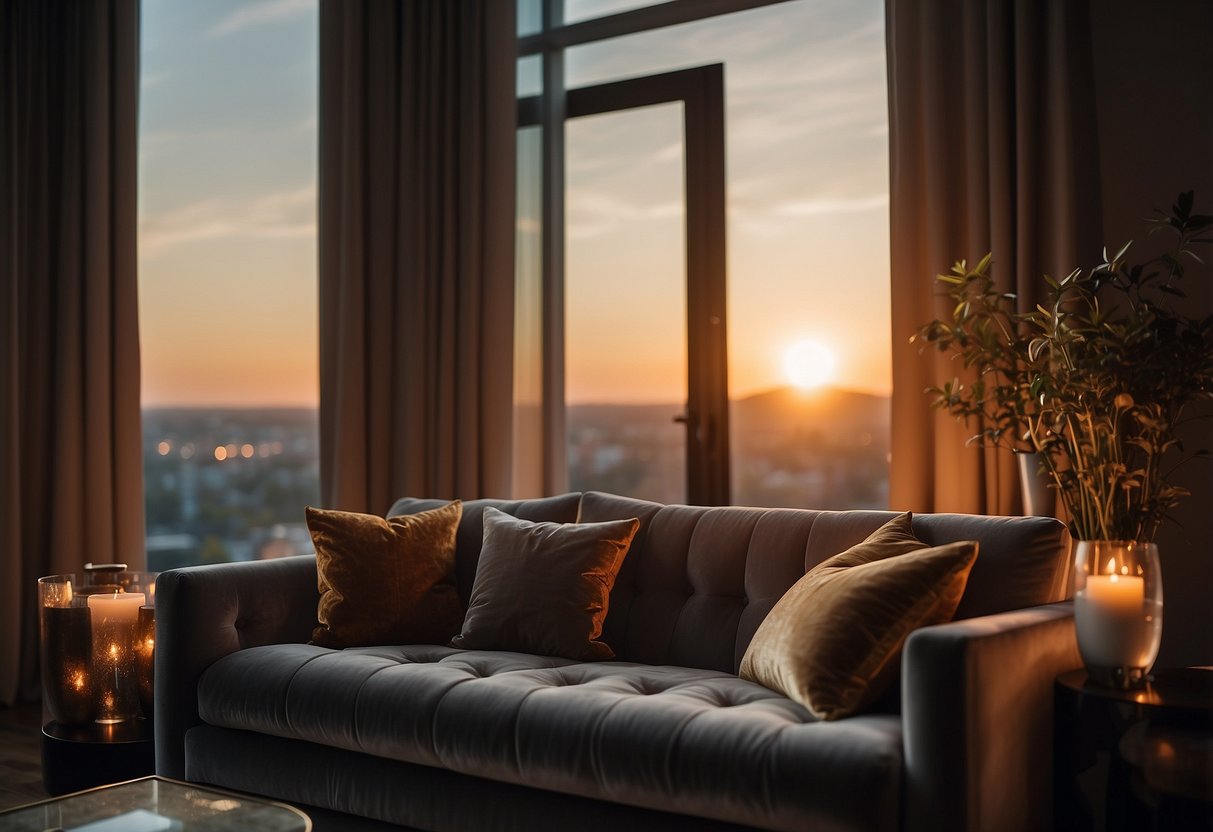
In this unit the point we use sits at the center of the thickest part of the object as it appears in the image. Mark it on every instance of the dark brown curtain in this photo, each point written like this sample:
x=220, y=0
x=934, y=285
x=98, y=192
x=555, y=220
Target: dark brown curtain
x=71, y=481
x=992, y=148
x=417, y=121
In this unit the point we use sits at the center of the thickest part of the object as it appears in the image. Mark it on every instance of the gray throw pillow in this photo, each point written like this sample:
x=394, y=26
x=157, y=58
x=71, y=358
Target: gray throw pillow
x=544, y=587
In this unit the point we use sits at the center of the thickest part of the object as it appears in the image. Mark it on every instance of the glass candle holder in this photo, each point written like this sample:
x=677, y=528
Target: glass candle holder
x=97, y=647
x=1117, y=610
x=145, y=656
x=68, y=682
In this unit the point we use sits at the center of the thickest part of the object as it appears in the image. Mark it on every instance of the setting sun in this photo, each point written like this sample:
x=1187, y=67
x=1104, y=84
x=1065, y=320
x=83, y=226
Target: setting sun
x=808, y=364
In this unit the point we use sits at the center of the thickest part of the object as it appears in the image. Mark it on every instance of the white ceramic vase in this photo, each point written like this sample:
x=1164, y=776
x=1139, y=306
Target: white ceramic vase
x=1038, y=499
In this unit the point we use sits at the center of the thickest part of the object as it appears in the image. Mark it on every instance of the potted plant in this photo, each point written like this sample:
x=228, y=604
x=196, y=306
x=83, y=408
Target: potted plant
x=987, y=336
x=1096, y=379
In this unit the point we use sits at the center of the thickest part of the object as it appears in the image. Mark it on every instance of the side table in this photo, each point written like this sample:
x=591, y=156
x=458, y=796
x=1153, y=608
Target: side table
x=75, y=758
x=1136, y=759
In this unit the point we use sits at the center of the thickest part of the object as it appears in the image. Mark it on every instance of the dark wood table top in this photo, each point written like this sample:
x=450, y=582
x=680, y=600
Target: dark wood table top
x=1169, y=689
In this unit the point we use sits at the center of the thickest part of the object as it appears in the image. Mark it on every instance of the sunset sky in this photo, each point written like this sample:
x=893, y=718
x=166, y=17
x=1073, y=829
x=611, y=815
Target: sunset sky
x=228, y=188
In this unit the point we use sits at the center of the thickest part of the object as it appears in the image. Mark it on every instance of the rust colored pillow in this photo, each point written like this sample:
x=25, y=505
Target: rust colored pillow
x=544, y=587
x=833, y=641
x=386, y=581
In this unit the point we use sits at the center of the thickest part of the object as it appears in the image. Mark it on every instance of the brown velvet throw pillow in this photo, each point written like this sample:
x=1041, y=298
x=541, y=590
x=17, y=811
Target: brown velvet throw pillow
x=386, y=581
x=544, y=587
x=833, y=641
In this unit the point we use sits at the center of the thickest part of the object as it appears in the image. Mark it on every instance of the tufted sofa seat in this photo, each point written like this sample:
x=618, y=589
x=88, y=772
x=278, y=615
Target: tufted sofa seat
x=666, y=737
x=619, y=731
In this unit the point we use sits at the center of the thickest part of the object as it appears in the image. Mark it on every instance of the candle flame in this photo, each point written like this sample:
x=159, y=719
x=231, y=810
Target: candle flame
x=113, y=651
x=1111, y=564
x=78, y=680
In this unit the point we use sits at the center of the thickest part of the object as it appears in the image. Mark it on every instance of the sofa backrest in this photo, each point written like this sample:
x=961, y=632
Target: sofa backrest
x=470, y=537
x=697, y=581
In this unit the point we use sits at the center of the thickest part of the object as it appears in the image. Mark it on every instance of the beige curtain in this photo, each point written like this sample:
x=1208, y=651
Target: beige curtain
x=992, y=148
x=417, y=121
x=71, y=481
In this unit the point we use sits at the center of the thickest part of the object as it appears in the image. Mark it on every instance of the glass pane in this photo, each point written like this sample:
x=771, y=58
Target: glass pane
x=625, y=303
x=528, y=317
x=530, y=76
x=575, y=10
x=807, y=137
x=227, y=278
x=530, y=17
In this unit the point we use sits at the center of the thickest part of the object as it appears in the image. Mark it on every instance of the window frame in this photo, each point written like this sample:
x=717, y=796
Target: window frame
x=708, y=457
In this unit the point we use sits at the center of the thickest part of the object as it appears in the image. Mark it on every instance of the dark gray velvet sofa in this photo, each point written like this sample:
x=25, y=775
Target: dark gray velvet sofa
x=667, y=737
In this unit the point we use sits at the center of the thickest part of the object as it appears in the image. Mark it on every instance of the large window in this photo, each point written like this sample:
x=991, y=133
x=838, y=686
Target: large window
x=227, y=262
x=803, y=419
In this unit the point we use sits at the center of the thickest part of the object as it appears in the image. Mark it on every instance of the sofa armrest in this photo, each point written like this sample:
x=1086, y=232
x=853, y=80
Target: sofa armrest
x=977, y=700
x=205, y=612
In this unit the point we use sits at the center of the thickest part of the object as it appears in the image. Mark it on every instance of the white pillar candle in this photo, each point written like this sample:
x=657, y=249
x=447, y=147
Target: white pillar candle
x=114, y=621
x=1116, y=592
x=118, y=608
x=1110, y=615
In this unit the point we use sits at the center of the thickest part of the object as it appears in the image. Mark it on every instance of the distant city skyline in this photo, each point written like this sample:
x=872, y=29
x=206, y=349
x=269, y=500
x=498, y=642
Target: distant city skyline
x=227, y=238
x=227, y=484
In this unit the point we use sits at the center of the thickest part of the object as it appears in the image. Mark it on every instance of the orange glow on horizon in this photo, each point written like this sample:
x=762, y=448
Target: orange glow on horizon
x=227, y=240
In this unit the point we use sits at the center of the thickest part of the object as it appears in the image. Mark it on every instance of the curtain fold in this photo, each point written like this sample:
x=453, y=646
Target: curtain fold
x=417, y=123
x=992, y=148
x=71, y=469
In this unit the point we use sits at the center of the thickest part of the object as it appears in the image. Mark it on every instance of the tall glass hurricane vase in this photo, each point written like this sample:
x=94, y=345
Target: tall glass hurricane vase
x=1117, y=609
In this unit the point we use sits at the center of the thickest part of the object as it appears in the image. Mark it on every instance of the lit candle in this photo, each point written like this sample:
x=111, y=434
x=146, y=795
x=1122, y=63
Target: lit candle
x=57, y=594
x=115, y=609
x=1110, y=615
x=1123, y=593
x=115, y=619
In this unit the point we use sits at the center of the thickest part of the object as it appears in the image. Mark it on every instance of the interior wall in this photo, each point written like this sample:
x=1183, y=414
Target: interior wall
x=1153, y=64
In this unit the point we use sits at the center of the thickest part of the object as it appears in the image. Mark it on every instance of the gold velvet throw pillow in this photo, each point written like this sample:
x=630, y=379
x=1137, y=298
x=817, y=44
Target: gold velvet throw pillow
x=544, y=587
x=386, y=581
x=833, y=642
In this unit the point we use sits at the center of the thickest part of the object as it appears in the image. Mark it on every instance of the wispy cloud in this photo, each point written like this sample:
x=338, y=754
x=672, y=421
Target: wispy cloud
x=593, y=213
x=751, y=217
x=256, y=14
x=829, y=207
x=278, y=215
x=151, y=79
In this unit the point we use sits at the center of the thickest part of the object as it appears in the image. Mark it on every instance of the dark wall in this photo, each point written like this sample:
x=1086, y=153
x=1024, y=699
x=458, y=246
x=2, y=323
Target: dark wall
x=1154, y=88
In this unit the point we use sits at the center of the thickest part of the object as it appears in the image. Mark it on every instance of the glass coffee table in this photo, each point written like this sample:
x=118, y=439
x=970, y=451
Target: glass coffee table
x=154, y=804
